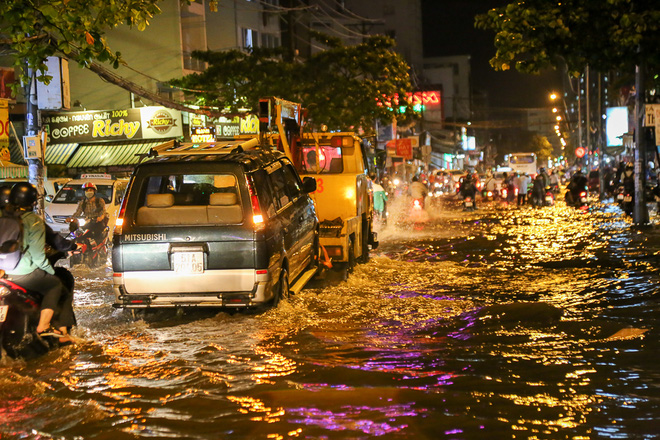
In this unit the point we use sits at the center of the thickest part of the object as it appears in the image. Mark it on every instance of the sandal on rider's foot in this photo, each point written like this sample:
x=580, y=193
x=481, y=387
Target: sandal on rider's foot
x=51, y=331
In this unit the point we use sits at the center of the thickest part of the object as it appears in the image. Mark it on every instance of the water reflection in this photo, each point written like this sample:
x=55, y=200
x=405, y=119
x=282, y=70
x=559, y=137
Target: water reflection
x=504, y=322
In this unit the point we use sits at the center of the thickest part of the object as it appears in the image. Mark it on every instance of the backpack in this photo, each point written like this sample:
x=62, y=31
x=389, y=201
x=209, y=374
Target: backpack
x=11, y=241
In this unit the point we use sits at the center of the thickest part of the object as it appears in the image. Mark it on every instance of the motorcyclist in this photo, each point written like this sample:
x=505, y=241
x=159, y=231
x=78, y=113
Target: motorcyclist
x=34, y=271
x=628, y=183
x=554, y=181
x=538, y=190
x=490, y=183
x=577, y=184
x=418, y=190
x=92, y=209
x=468, y=189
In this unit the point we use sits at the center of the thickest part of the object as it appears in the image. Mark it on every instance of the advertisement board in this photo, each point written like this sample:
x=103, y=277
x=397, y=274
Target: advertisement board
x=653, y=119
x=228, y=128
x=4, y=130
x=616, y=124
x=112, y=125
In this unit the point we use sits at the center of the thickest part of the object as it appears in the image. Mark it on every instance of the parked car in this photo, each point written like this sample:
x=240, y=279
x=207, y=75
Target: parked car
x=220, y=230
x=51, y=185
x=65, y=202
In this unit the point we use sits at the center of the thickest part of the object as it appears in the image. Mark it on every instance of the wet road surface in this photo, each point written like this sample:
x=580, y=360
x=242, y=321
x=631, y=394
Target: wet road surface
x=501, y=323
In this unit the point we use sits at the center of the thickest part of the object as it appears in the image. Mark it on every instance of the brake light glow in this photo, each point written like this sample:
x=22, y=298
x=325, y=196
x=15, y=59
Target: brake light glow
x=119, y=222
x=257, y=216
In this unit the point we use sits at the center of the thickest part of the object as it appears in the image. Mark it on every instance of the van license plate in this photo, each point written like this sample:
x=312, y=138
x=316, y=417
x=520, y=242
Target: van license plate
x=188, y=262
x=3, y=313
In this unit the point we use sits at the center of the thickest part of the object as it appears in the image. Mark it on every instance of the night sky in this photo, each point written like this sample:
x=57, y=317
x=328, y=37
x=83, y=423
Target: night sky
x=448, y=29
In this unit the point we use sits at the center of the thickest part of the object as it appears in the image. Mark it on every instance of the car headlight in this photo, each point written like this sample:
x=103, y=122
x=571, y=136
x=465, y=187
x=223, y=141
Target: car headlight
x=82, y=222
x=49, y=219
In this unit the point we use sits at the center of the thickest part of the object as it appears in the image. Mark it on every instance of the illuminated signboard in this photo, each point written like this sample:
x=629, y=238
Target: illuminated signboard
x=616, y=125
x=228, y=128
x=202, y=134
x=419, y=100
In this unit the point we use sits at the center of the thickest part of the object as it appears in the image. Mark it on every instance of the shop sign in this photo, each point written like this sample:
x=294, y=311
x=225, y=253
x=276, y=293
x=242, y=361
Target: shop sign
x=4, y=127
x=202, y=134
x=230, y=128
x=112, y=125
x=402, y=148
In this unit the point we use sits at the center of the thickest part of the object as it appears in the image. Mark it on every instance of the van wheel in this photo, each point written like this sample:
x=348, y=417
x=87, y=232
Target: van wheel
x=283, y=292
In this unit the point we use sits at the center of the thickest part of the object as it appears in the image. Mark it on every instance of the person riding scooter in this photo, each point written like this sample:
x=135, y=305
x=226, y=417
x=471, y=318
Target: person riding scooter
x=418, y=191
x=468, y=189
x=577, y=185
x=34, y=271
x=92, y=209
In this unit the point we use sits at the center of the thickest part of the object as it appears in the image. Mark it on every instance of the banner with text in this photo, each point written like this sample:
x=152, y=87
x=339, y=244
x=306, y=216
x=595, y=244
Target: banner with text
x=112, y=125
x=4, y=130
x=653, y=119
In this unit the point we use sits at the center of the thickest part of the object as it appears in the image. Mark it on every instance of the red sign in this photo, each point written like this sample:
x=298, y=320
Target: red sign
x=580, y=151
x=402, y=148
x=428, y=98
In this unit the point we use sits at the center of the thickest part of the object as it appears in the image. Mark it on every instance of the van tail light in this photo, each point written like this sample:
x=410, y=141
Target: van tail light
x=257, y=216
x=119, y=223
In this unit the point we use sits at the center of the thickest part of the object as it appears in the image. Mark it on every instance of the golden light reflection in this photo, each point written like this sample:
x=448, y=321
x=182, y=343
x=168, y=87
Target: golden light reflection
x=253, y=405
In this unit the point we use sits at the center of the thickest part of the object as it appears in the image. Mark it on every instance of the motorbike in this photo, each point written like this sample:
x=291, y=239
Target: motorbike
x=468, y=204
x=627, y=204
x=89, y=252
x=549, y=197
x=579, y=199
x=19, y=315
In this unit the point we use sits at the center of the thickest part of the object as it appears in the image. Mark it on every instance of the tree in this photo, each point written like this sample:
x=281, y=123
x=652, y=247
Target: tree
x=542, y=147
x=533, y=35
x=33, y=30
x=343, y=87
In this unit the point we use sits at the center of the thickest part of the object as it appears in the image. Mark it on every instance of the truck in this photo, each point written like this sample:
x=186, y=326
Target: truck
x=339, y=163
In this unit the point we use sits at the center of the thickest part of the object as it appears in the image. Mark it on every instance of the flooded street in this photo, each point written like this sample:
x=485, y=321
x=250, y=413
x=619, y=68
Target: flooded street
x=505, y=322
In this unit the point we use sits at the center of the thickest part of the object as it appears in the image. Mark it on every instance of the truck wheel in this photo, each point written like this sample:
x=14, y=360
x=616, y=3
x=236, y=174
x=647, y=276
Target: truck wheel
x=350, y=265
x=366, y=230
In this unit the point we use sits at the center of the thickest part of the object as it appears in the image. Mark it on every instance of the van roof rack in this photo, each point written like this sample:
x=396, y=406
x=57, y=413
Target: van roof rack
x=176, y=148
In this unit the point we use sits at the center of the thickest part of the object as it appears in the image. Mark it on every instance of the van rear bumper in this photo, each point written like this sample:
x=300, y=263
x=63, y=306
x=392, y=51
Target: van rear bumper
x=213, y=288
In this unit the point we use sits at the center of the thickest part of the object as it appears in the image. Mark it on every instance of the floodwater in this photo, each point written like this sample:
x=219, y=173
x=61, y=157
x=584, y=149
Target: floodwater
x=501, y=323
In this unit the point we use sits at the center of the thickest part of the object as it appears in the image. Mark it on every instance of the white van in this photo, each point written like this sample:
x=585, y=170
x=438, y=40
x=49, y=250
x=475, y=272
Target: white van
x=65, y=202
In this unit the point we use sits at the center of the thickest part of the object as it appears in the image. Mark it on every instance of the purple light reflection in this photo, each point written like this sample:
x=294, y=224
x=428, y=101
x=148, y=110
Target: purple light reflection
x=356, y=418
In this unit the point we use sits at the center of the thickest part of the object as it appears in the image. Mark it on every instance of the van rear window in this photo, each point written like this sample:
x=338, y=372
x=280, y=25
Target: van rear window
x=190, y=199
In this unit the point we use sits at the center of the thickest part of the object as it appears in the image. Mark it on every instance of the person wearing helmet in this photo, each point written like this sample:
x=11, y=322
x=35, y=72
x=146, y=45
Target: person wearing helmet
x=92, y=209
x=469, y=189
x=577, y=184
x=4, y=199
x=34, y=271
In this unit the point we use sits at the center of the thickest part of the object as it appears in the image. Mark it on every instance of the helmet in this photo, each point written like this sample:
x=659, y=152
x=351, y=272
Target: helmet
x=88, y=185
x=4, y=195
x=23, y=195
x=542, y=169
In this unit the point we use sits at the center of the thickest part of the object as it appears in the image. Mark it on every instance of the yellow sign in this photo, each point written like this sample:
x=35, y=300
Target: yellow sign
x=4, y=129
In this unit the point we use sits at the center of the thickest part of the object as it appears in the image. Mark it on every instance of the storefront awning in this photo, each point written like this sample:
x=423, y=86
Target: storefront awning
x=10, y=170
x=58, y=154
x=109, y=154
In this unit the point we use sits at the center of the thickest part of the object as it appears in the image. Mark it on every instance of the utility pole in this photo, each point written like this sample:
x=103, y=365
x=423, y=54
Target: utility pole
x=600, y=141
x=590, y=151
x=32, y=128
x=640, y=211
x=579, y=92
